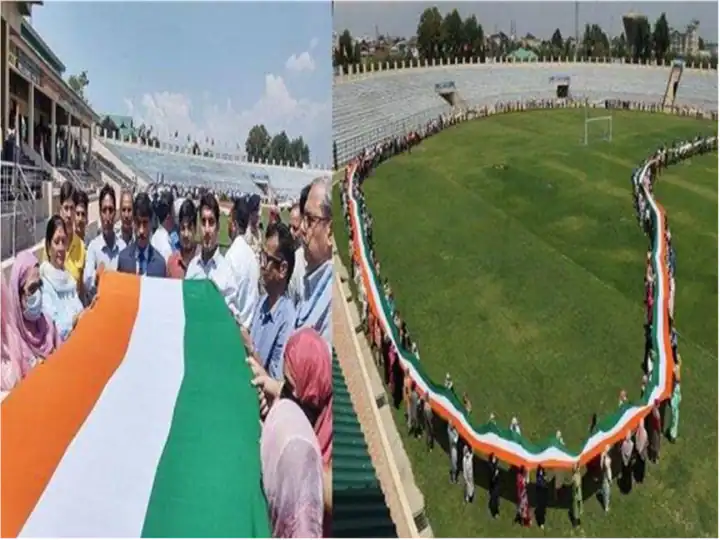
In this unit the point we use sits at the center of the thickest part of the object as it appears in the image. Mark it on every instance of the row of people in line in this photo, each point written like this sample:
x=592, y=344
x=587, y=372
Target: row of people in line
x=637, y=447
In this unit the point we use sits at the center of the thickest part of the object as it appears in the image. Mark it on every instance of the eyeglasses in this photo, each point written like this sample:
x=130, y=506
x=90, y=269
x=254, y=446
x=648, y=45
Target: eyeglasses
x=311, y=219
x=266, y=257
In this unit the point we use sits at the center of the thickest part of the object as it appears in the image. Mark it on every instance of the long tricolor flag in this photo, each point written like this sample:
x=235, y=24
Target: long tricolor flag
x=144, y=423
x=489, y=438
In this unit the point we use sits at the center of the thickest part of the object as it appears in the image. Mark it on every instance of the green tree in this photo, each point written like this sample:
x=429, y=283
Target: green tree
x=701, y=44
x=78, y=83
x=453, y=40
x=618, y=47
x=595, y=42
x=299, y=152
x=346, y=53
x=257, y=144
x=429, y=33
x=557, y=40
x=280, y=148
x=661, y=38
x=474, y=38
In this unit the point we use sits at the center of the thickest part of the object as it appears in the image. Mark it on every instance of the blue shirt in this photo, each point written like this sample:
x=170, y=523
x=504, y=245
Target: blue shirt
x=99, y=252
x=270, y=330
x=314, y=309
x=175, y=239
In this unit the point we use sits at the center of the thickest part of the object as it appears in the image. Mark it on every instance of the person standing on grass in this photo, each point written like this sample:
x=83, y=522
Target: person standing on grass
x=627, y=450
x=494, y=501
x=641, y=451
x=675, y=405
x=468, y=473
x=453, y=439
x=577, y=496
x=541, y=493
x=428, y=418
x=522, y=515
x=655, y=433
x=606, y=471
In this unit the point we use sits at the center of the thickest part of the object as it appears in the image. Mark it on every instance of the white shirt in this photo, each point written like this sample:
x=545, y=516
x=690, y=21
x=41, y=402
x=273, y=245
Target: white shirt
x=296, y=287
x=218, y=271
x=246, y=271
x=161, y=242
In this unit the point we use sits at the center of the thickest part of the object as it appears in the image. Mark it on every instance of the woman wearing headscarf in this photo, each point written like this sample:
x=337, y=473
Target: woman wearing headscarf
x=523, y=505
x=641, y=451
x=36, y=334
x=60, y=300
x=292, y=473
x=13, y=370
x=675, y=405
x=308, y=382
x=655, y=433
x=627, y=449
x=468, y=473
x=606, y=471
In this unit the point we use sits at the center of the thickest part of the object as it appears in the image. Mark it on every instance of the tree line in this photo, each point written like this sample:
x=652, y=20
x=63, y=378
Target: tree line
x=447, y=38
x=260, y=146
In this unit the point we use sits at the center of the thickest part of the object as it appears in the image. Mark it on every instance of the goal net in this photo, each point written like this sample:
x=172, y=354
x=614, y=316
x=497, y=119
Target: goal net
x=597, y=128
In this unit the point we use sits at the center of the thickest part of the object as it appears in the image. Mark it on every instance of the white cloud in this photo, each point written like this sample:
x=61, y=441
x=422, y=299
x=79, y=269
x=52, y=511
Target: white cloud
x=304, y=62
x=277, y=109
x=313, y=43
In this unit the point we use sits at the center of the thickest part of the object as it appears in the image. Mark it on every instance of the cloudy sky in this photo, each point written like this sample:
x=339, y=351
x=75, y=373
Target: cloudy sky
x=537, y=18
x=204, y=68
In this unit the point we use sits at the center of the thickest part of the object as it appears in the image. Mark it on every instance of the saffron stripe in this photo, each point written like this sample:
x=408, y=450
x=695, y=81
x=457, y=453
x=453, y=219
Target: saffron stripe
x=44, y=413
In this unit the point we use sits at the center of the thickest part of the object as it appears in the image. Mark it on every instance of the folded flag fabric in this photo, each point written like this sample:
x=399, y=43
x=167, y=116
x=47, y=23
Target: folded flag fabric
x=144, y=423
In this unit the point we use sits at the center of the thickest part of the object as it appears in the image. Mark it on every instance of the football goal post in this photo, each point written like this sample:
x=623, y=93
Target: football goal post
x=597, y=127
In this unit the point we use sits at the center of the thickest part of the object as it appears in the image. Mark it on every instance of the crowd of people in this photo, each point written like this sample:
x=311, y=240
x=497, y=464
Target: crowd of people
x=626, y=460
x=276, y=281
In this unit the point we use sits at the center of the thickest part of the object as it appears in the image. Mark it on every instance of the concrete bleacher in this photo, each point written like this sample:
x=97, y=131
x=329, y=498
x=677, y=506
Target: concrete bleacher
x=176, y=168
x=375, y=106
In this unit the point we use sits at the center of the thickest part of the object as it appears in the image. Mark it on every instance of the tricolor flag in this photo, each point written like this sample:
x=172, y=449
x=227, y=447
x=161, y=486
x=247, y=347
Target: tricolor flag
x=144, y=423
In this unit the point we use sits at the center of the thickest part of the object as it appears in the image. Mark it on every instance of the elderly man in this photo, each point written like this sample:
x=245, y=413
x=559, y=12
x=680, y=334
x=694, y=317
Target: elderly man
x=125, y=225
x=314, y=309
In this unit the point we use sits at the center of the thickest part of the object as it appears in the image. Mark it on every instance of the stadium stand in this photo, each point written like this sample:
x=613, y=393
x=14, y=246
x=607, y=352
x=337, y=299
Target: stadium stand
x=372, y=108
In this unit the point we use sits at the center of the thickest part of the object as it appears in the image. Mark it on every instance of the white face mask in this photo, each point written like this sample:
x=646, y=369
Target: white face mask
x=33, y=311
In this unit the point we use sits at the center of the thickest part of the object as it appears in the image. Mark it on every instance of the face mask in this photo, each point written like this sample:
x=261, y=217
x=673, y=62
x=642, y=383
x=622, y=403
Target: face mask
x=33, y=311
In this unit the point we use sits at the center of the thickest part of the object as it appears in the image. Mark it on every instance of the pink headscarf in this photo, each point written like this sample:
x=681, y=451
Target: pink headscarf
x=36, y=339
x=13, y=369
x=307, y=359
x=292, y=473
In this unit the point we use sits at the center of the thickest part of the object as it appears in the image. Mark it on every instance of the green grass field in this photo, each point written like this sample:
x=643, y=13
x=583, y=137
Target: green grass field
x=526, y=284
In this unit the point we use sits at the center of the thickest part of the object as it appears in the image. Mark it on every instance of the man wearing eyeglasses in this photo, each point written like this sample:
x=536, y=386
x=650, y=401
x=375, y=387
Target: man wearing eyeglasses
x=274, y=316
x=314, y=309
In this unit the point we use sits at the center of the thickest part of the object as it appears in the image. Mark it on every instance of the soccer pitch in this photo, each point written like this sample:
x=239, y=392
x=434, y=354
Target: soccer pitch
x=517, y=262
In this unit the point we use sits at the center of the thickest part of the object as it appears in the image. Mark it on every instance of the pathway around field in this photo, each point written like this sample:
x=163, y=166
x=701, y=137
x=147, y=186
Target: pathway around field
x=385, y=447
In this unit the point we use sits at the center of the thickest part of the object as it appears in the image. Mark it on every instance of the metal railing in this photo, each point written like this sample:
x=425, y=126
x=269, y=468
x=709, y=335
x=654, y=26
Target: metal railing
x=21, y=189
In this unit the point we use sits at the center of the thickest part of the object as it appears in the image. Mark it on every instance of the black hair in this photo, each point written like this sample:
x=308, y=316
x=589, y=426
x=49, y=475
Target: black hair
x=82, y=199
x=241, y=214
x=54, y=223
x=107, y=191
x=164, y=206
x=67, y=192
x=208, y=200
x=142, y=207
x=304, y=197
x=286, y=245
x=188, y=213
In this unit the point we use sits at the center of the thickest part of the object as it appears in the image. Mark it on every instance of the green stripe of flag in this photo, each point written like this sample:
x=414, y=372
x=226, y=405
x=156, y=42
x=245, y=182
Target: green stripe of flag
x=208, y=481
